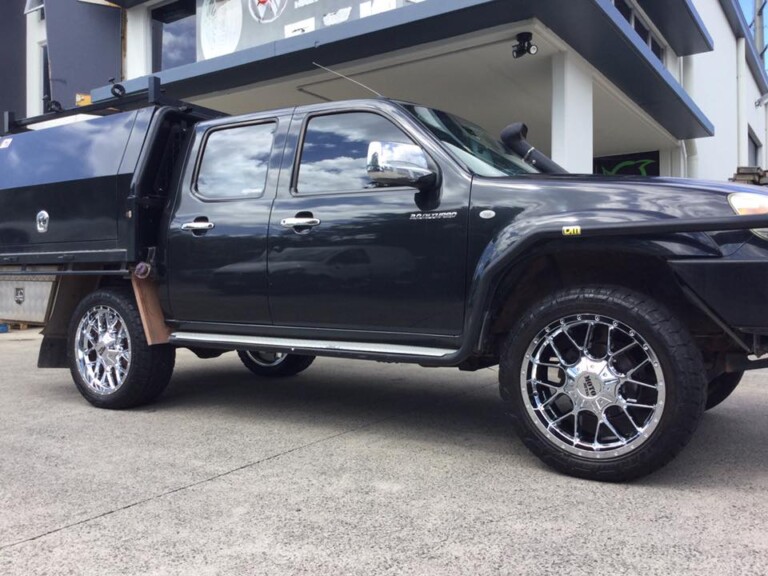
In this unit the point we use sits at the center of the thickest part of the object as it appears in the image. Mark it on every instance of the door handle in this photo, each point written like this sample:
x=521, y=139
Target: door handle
x=300, y=222
x=198, y=226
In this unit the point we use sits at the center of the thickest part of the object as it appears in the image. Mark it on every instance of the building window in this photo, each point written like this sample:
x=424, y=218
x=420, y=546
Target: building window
x=641, y=25
x=755, y=149
x=642, y=31
x=625, y=9
x=657, y=48
x=174, y=35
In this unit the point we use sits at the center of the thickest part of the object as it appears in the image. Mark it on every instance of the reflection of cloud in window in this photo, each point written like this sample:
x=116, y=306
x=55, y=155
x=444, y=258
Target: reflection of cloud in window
x=359, y=127
x=335, y=152
x=235, y=161
x=336, y=174
x=179, y=43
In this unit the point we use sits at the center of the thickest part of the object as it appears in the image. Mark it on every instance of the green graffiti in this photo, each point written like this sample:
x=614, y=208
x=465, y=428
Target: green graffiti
x=641, y=165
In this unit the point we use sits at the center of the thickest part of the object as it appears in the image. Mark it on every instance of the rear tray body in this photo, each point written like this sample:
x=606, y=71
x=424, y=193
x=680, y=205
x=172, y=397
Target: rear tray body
x=64, y=190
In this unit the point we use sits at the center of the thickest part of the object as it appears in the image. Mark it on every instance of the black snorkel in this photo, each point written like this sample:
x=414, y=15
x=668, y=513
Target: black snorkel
x=514, y=138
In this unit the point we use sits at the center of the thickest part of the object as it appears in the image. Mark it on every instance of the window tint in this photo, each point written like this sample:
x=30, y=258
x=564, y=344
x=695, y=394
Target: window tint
x=625, y=9
x=335, y=153
x=235, y=162
x=642, y=30
x=657, y=49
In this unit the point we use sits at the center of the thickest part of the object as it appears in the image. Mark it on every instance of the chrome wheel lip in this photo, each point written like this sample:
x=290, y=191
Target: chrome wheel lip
x=548, y=427
x=102, y=349
x=266, y=359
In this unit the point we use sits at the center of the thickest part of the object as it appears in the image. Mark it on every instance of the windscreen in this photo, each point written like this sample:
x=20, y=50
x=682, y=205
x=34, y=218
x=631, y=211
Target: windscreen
x=473, y=146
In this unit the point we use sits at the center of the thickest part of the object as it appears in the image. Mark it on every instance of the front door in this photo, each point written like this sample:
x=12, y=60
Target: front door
x=346, y=255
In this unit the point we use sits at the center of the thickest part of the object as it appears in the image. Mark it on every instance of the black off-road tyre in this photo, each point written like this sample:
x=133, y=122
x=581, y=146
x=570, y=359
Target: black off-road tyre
x=721, y=387
x=270, y=365
x=106, y=324
x=677, y=358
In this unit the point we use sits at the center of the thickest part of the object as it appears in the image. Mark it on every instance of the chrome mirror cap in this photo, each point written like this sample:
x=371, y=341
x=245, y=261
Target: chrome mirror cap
x=399, y=164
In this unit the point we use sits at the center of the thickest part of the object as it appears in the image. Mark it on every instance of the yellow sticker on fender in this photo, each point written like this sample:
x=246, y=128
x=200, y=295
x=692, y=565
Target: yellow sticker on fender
x=571, y=230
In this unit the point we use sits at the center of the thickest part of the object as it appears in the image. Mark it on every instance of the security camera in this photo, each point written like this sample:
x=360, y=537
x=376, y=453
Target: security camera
x=524, y=45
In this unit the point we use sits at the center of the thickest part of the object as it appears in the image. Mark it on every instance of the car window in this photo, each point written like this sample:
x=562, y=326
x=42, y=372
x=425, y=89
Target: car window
x=334, y=155
x=235, y=162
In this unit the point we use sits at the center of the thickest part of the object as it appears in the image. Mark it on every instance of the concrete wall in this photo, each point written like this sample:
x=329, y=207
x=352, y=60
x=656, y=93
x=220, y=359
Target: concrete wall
x=710, y=79
x=35, y=30
x=12, y=57
x=722, y=85
x=756, y=117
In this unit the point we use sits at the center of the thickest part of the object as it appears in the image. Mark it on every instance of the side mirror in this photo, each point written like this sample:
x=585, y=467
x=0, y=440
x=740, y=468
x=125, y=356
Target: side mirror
x=399, y=164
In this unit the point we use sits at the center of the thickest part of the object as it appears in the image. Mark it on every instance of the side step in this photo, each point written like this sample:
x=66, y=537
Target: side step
x=321, y=347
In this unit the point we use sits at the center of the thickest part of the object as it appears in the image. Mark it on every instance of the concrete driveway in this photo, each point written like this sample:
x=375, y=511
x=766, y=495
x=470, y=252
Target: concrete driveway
x=350, y=468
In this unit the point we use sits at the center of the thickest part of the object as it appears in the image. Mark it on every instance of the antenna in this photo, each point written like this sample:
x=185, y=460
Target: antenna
x=340, y=75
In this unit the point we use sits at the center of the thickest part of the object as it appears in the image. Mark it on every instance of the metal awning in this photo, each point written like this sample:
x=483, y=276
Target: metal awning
x=680, y=24
x=593, y=28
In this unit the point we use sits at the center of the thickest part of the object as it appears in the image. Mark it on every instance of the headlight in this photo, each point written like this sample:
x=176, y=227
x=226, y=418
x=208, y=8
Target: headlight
x=747, y=204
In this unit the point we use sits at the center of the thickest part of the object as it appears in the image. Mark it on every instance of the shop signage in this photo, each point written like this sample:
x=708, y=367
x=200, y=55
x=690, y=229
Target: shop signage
x=226, y=26
x=641, y=164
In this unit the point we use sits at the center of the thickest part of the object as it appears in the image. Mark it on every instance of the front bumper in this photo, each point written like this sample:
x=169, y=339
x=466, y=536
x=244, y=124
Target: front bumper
x=735, y=288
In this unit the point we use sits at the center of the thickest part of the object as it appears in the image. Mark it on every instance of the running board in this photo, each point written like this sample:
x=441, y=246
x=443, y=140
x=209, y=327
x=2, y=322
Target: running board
x=294, y=345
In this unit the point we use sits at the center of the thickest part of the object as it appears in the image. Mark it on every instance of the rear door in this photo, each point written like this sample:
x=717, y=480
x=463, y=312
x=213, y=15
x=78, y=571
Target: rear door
x=217, y=239
x=378, y=259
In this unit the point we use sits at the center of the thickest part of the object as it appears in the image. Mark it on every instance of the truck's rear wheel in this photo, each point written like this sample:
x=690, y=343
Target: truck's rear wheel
x=274, y=364
x=109, y=358
x=721, y=387
x=603, y=383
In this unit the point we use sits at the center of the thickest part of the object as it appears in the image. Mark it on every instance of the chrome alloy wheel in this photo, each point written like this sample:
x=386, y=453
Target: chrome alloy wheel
x=103, y=350
x=267, y=359
x=593, y=386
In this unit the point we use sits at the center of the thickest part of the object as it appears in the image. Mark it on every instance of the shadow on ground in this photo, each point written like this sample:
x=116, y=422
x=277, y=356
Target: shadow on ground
x=438, y=405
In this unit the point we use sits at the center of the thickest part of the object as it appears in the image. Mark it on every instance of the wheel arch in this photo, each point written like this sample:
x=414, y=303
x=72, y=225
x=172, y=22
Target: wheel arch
x=523, y=284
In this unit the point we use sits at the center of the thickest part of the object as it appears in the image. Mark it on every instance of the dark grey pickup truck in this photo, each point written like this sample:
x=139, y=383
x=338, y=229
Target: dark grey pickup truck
x=618, y=309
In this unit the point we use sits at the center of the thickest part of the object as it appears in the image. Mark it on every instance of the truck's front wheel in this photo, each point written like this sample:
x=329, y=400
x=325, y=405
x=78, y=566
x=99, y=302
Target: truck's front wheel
x=603, y=383
x=109, y=358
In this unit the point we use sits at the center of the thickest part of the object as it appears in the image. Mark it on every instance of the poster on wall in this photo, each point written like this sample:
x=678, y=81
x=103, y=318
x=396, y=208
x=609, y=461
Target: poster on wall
x=226, y=26
x=640, y=164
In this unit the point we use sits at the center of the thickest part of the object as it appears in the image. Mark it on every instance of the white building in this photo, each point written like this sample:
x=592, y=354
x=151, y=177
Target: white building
x=670, y=87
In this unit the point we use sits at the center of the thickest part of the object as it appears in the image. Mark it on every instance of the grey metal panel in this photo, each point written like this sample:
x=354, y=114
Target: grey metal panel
x=84, y=47
x=602, y=37
x=741, y=30
x=13, y=56
x=681, y=25
x=36, y=291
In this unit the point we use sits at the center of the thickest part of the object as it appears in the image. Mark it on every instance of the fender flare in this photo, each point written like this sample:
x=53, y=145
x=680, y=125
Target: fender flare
x=511, y=246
